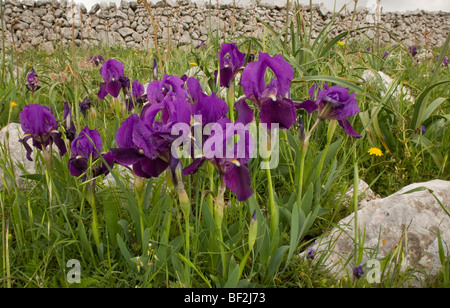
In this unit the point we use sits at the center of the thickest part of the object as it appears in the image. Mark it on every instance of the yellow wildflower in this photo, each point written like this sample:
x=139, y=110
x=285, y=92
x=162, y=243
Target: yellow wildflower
x=12, y=105
x=193, y=63
x=341, y=43
x=375, y=151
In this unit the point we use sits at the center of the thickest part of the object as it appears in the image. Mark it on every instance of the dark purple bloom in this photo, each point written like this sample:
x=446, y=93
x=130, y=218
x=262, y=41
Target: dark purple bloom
x=170, y=86
x=368, y=48
x=96, y=60
x=210, y=108
x=39, y=124
x=272, y=98
x=87, y=146
x=114, y=78
x=231, y=61
x=422, y=129
x=333, y=103
x=84, y=106
x=310, y=255
x=140, y=147
x=145, y=142
x=68, y=124
x=231, y=160
x=32, y=82
x=138, y=96
x=358, y=271
x=385, y=54
x=413, y=50
x=445, y=61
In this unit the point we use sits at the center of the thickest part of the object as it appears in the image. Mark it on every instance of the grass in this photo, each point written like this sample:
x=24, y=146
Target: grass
x=143, y=239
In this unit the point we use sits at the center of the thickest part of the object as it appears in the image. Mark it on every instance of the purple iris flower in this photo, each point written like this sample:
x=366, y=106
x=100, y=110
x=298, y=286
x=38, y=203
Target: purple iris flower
x=114, y=79
x=231, y=160
x=358, y=271
x=87, y=146
x=96, y=60
x=32, y=81
x=210, y=107
x=333, y=103
x=368, y=48
x=84, y=106
x=413, y=50
x=310, y=254
x=68, y=124
x=272, y=98
x=145, y=142
x=169, y=86
x=231, y=61
x=38, y=123
x=138, y=96
x=385, y=54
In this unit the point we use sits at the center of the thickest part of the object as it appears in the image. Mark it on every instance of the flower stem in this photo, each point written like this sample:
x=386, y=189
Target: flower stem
x=304, y=150
x=139, y=190
x=231, y=101
x=90, y=197
x=219, y=204
x=273, y=208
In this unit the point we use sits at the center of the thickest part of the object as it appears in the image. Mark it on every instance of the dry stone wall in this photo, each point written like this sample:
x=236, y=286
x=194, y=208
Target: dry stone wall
x=48, y=23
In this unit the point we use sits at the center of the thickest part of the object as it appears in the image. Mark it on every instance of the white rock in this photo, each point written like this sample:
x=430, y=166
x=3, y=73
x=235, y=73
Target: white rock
x=364, y=193
x=409, y=219
x=10, y=147
x=369, y=76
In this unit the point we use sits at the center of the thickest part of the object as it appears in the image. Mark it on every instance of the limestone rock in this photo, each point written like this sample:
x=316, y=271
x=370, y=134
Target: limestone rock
x=10, y=147
x=365, y=194
x=410, y=220
x=124, y=32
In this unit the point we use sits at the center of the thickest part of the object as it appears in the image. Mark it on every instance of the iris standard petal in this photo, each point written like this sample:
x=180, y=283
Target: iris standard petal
x=124, y=135
x=211, y=108
x=284, y=73
x=112, y=70
x=88, y=143
x=245, y=113
x=143, y=139
x=137, y=89
x=37, y=120
x=194, y=89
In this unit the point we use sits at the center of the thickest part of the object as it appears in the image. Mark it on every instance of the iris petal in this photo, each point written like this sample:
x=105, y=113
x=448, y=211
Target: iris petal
x=77, y=166
x=349, y=128
x=113, y=87
x=281, y=111
x=126, y=156
x=245, y=113
x=237, y=179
